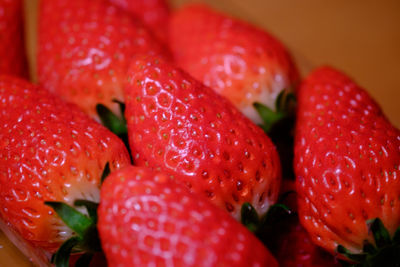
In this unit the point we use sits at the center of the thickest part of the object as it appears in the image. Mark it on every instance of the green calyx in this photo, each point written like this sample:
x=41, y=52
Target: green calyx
x=385, y=252
x=283, y=113
x=114, y=123
x=86, y=239
x=279, y=126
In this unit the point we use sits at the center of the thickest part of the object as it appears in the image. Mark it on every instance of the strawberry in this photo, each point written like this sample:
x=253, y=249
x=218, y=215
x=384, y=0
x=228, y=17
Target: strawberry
x=85, y=48
x=49, y=151
x=238, y=60
x=12, y=51
x=154, y=13
x=184, y=128
x=146, y=219
x=295, y=248
x=290, y=242
x=347, y=164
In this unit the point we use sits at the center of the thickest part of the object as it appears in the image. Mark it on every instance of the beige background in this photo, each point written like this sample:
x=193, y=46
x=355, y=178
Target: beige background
x=361, y=37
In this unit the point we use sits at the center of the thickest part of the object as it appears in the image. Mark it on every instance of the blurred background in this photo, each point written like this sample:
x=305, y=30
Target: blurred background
x=360, y=37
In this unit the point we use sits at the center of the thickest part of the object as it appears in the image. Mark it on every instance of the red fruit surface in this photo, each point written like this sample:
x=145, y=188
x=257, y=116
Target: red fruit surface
x=292, y=245
x=297, y=249
x=49, y=150
x=154, y=13
x=184, y=128
x=236, y=59
x=85, y=48
x=347, y=162
x=146, y=219
x=12, y=50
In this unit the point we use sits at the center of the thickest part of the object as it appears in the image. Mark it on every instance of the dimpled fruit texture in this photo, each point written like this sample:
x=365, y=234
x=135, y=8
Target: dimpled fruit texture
x=49, y=150
x=178, y=125
x=145, y=219
x=12, y=51
x=243, y=63
x=347, y=158
x=85, y=48
x=154, y=13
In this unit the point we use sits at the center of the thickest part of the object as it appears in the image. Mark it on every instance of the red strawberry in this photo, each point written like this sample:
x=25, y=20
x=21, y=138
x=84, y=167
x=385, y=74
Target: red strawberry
x=239, y=61
x=49, y=150
x=154, y=13
x=347, y=163
x=12, y=51
x=295, y=248
x=182, y=127
x=290, y=241
x=145, y=219
x=85, y=49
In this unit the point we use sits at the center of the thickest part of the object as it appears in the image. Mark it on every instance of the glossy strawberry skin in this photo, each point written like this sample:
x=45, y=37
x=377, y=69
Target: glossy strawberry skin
x=347, y=158
x=49, y=150
x=238, y=60
x=154, y=13
x=12, y=50
x=85, y=48
x=146, y=219
x=178, y=125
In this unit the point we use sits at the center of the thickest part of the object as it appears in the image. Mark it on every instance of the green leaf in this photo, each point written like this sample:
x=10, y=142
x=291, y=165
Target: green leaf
x=90, y=206
x=61, y=257
x=75, y=220
x=354, y=257
x=381, y=235
x=106, y=172
x=111, y=121
x=268, y=116
x=249, y=217
x=84, y=260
